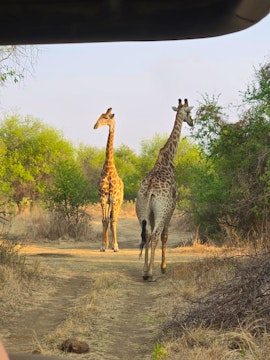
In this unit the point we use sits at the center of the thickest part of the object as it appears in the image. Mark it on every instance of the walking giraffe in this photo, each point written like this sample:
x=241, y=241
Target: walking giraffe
x=110, y=186
x=158, y=194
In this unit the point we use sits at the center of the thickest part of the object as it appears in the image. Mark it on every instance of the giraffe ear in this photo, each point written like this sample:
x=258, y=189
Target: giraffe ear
x=174, y=108
x=112, y=116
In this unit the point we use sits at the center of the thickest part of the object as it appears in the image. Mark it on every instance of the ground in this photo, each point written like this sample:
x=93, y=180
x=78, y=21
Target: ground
x=98, y=297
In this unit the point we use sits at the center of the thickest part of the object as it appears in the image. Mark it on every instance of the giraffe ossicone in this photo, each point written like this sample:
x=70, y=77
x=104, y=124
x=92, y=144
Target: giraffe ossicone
x=110, y=186
x=158, y=195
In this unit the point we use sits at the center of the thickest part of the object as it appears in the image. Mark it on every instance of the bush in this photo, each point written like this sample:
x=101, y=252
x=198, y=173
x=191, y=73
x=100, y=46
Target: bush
x=67, y=200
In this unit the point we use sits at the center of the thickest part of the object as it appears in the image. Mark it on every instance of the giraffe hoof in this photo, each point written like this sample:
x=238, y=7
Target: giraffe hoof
x=102, y=250
x=163, y=271
x=116, y=250
x=148, y=277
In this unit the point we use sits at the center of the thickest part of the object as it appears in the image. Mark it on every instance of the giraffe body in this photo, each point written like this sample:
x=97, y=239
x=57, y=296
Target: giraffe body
x=110, y=186
x=158, y=195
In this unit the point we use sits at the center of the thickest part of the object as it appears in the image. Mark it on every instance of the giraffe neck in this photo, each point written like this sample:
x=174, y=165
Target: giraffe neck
x=168, y=152
x=109, y=161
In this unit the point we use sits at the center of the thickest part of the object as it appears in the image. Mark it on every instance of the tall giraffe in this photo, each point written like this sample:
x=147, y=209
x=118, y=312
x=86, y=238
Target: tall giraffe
x=158, y=194
x=110, y=186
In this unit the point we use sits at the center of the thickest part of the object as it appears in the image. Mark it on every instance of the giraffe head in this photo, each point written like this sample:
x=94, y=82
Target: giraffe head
x=105, y=119
x=185, y=109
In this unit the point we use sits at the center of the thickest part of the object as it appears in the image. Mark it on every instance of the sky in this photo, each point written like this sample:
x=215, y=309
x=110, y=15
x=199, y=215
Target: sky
x=72, y=84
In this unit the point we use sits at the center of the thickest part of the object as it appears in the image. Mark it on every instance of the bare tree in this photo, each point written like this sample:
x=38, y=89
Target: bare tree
x=16, y=62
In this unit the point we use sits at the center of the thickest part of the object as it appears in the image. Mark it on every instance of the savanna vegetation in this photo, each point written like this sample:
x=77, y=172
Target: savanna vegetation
x=223, y=173
x=222, y=169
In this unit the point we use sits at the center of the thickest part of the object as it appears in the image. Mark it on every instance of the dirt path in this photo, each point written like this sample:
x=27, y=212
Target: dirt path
x=126, y=311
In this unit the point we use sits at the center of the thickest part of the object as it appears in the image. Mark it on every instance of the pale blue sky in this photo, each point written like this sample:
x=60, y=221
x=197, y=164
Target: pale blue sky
x=74, y=83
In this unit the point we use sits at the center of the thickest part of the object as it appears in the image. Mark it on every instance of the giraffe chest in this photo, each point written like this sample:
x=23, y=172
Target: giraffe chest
x=110, y=183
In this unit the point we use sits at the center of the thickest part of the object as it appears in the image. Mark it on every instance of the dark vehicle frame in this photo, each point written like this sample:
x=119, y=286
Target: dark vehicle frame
x=78, y=21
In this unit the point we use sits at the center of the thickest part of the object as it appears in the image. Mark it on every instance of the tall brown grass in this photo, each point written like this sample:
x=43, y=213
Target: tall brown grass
x=39, y=224
x=202, y=326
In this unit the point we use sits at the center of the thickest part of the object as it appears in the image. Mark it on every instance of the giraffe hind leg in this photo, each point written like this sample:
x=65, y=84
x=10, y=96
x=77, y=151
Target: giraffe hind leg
x=105, y=225
x=164, y=238
x=147, y=243
x=144, y=243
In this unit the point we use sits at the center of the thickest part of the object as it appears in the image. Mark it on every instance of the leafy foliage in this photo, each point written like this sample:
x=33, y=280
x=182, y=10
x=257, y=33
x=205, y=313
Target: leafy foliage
x=15, y=62
x=127, y=162
x=149, y=153
x=91, y=159
x=188, y=161
x=30, y=150
x=69, y=195
x=239, y=158
x=208, y=123
x=223, y=176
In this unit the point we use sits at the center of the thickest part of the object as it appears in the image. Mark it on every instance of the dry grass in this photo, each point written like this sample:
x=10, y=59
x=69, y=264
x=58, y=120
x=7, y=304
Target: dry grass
x=40, y=224
x=37, y=223
x=18, y=279
x=215, y=308
x=127, y=210
x=202, y=343
x=221, y=309
x=82, y=318
x=240, y=294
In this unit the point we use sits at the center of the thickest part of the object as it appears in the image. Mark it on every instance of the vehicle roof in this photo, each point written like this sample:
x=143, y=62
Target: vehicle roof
x=78, y=21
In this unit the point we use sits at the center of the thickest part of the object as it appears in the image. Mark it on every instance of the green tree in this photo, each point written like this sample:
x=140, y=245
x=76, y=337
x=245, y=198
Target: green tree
x=4, y=186
x=209, y=119
x=126, y=162
x=258, y=92
x=31, y=150
x=187, y=161
x=242, y=160
x=90, y=160
x=239, y=158
x=149, y=153
x=69, y=195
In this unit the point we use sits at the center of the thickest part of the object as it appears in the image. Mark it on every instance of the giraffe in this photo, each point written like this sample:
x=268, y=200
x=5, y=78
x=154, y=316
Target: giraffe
x=110, y=186
x=158, y=195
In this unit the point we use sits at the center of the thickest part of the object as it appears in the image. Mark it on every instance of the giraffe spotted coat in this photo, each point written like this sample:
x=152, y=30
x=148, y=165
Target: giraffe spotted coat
x=110, y=186
x=158, y=195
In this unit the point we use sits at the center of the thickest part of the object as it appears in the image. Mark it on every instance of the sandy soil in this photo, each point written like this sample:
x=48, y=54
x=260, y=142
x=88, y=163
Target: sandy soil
x=128, y=315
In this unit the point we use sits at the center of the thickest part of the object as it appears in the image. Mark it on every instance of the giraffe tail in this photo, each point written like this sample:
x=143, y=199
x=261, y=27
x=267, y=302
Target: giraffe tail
x=143, y=235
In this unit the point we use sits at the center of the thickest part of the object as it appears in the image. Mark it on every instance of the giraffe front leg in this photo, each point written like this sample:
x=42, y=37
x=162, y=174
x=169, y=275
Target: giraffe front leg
x=105, y=224
x=105, y=236
x=115, y=247
x=164, y=238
